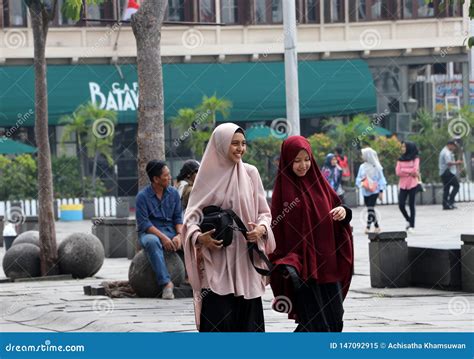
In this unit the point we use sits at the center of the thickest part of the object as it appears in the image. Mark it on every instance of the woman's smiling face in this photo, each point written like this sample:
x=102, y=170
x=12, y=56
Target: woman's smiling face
x=237, y=147
x=301, y=163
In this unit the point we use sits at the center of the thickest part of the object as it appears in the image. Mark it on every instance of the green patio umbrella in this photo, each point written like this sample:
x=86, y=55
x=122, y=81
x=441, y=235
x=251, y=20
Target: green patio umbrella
x=377, y=131
x=10, y=147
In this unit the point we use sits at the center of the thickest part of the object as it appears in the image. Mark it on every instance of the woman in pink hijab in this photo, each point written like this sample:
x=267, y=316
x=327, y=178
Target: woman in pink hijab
x=227, y=288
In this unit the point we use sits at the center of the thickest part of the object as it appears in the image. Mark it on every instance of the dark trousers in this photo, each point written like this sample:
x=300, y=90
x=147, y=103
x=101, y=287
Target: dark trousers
x=449, y=180
x=370, y=202
x=402, y=197
x=228, y=313
x=318, y=307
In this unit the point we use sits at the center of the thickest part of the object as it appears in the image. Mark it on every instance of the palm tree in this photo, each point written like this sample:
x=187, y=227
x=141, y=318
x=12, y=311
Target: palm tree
x=100, y=129
x=94, y=131
x=214, y=105
x=76, y=125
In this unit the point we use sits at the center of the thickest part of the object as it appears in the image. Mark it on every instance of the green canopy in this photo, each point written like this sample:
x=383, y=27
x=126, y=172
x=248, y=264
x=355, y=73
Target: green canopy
x=10, y=147
x=256, y=90
x=261, y=131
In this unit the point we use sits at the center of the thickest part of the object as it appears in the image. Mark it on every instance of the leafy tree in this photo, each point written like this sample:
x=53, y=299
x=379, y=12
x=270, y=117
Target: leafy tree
x=321, y=145
x=18, y=177
x=263, y=153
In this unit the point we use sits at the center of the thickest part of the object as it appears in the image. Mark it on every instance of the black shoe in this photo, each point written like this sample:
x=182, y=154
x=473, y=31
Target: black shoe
x=446, y=208
x=453, y=206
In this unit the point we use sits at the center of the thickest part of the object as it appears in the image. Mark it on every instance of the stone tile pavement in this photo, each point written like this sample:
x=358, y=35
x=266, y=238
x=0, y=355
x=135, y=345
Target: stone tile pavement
x=61, y=306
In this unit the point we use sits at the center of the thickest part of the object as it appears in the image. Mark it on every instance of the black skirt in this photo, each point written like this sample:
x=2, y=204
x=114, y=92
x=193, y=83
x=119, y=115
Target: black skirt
x=228, y=313
x=319, y=307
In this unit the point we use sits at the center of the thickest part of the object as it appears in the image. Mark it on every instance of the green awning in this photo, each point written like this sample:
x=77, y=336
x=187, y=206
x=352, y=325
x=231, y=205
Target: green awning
x=10, y=147
x=257, y=90
x=256, y=132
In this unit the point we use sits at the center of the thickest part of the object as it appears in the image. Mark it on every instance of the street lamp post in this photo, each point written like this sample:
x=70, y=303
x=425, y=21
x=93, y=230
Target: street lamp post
x=291, y=68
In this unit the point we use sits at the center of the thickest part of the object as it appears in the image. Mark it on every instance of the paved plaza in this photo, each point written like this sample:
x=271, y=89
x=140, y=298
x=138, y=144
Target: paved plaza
x=61, y=306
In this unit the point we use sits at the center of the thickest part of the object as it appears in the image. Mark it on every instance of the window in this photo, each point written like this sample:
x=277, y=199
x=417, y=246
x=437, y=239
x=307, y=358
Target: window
x=369, y=10
x=229, y=12
x=14, y=13
x=413, y=9
x=333, y=11
x=180, y=10
x=425, y=9
x=207, y=11
x=455, y=8
x=60, y=20
x=98, y=12
x=268, y=11
x=312, y=13
x=176, y=10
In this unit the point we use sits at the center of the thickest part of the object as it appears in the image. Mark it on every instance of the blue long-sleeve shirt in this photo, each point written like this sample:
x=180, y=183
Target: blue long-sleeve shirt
x=164, y=214
x=379, y=177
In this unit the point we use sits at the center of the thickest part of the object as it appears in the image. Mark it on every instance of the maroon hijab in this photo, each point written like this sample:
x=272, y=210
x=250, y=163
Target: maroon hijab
x=307, y=237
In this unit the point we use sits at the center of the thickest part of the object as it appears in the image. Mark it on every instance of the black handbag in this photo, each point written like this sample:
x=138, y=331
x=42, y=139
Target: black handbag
x=222, y=220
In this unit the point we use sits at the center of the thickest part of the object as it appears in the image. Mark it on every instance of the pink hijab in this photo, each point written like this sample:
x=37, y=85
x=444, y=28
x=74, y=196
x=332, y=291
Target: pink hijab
x=235, y=186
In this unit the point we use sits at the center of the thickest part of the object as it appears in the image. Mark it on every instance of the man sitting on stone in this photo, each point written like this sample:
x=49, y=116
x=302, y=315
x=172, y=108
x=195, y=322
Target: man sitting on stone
x=159, y=221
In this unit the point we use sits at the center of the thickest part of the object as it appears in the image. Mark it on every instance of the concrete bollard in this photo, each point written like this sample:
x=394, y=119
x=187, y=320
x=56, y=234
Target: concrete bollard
x=118, y=236
x=388, y=254
x=467, y=263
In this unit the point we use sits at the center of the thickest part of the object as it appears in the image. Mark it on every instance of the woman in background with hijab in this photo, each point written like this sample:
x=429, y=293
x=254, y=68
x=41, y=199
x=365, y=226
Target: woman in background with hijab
x=333, y=174
x=314, y=249
x=371, y=181
x=408, y=169
x=185, y=179
x=227, y=288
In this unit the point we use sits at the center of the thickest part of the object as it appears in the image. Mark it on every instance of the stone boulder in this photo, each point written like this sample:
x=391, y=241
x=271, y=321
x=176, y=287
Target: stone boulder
x=81, y=255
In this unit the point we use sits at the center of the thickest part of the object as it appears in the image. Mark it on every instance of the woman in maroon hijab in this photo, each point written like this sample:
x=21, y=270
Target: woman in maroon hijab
x=314, y=249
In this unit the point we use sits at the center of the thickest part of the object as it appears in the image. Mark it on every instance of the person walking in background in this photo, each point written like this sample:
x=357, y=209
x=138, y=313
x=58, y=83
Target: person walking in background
x=448, y=171
x=185, y=179
x=371, y=181
x=408, y=169
x=333, y=174
x=314, y=248
x=343, y=164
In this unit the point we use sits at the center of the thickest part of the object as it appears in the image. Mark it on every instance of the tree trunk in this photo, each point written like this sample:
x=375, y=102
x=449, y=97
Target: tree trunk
x=47, y=234
x=146, y=25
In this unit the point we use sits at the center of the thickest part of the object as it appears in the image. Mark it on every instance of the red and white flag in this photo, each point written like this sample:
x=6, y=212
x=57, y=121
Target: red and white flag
x=132, y=8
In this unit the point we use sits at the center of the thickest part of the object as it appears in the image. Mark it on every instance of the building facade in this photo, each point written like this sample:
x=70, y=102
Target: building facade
x=355, y=56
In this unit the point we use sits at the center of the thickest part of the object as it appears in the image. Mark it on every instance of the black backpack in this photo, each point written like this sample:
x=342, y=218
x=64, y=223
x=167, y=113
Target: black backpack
x=222, y=220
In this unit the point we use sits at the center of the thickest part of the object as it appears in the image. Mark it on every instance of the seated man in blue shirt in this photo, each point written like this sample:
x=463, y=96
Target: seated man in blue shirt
x=159, y=221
